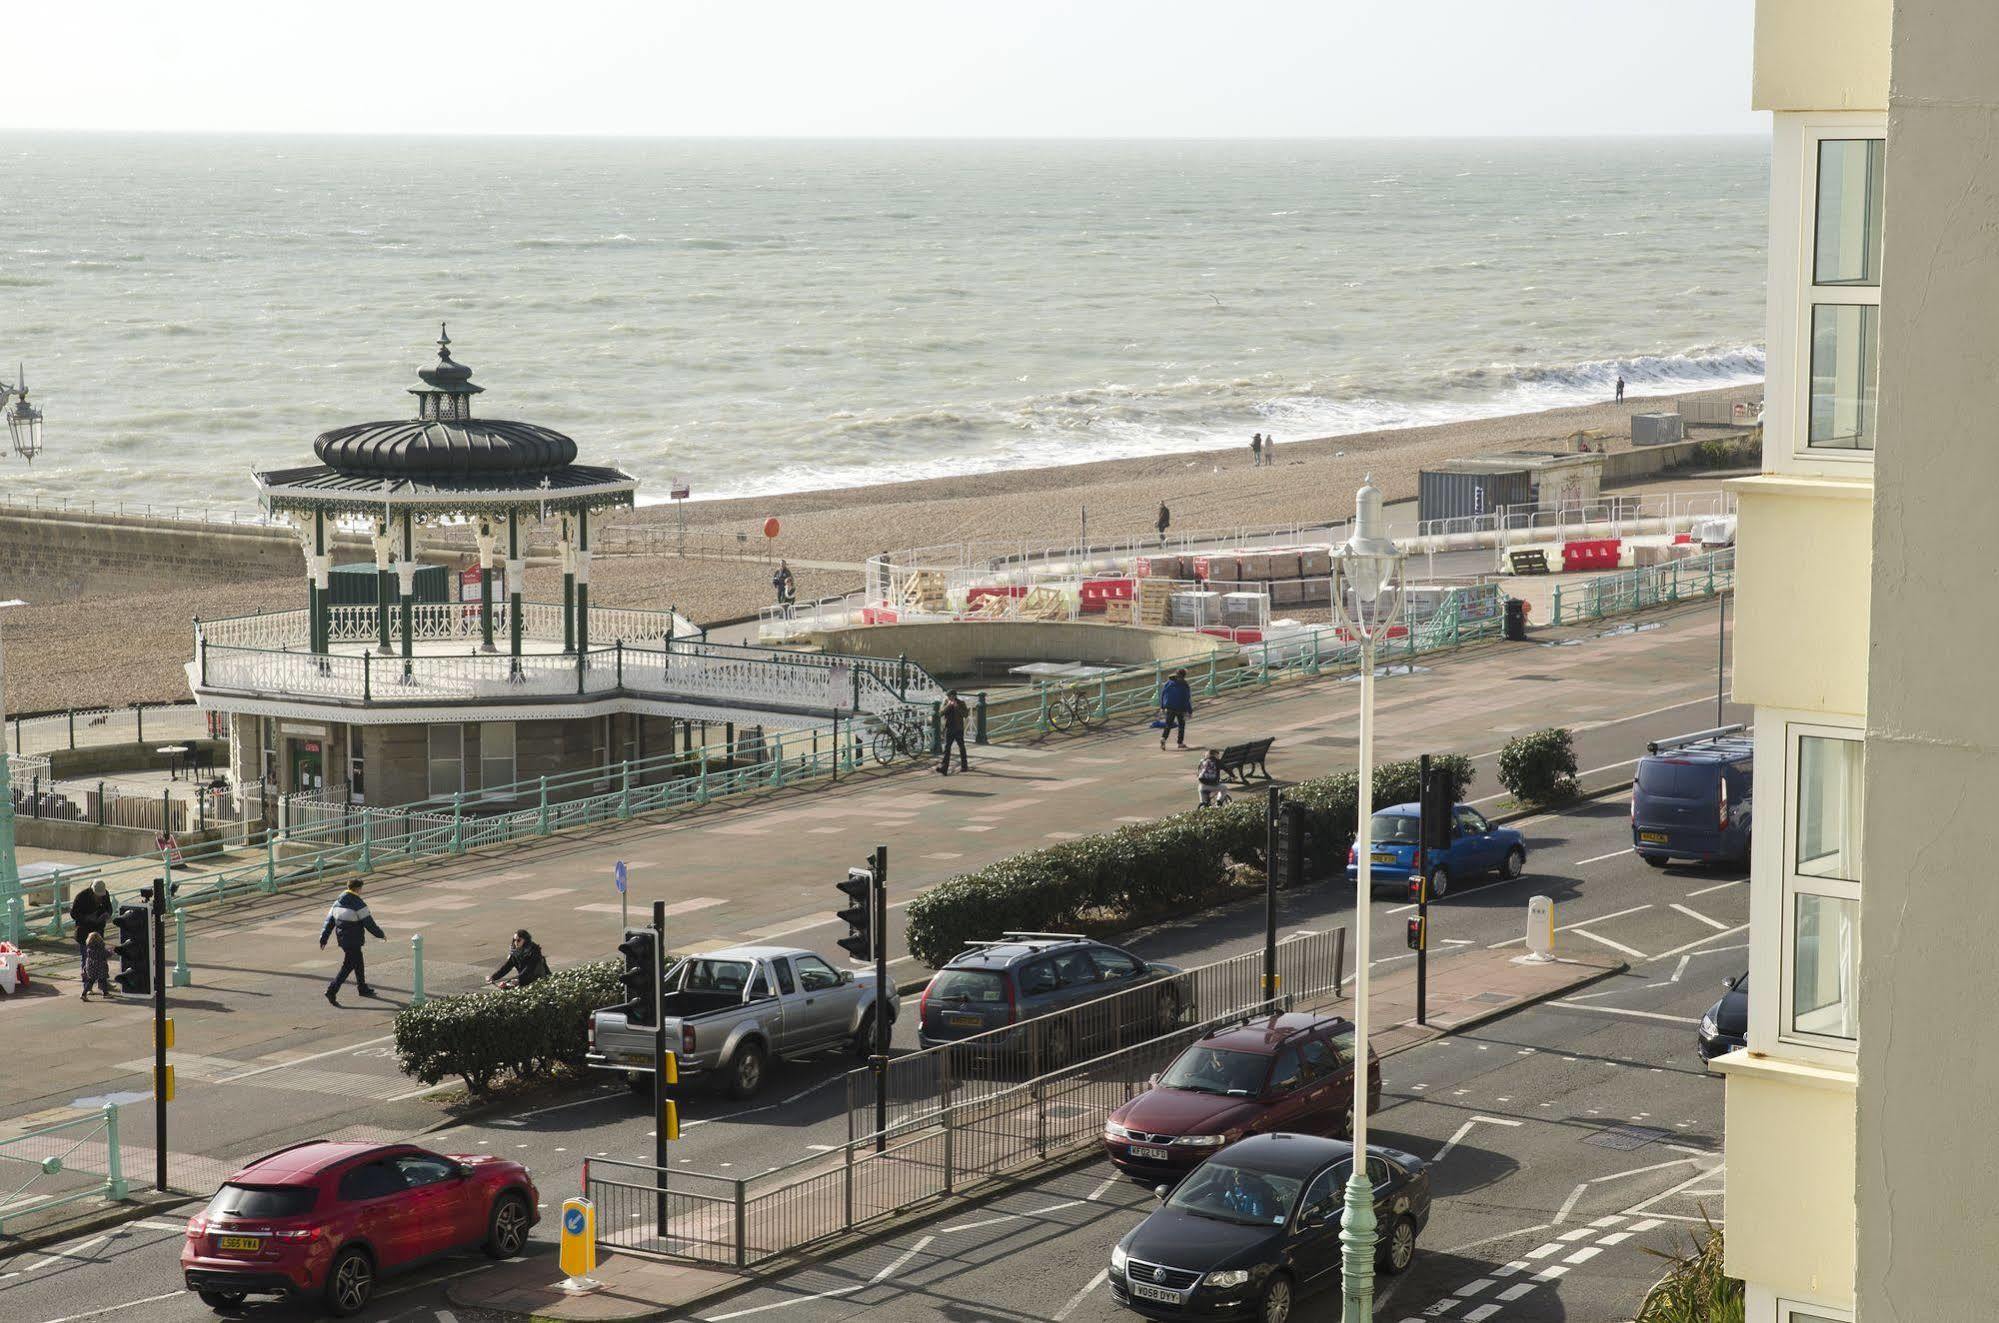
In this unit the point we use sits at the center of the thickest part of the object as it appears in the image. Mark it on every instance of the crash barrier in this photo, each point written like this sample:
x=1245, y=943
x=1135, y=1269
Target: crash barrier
x=1693, y=578
x=939, y=1153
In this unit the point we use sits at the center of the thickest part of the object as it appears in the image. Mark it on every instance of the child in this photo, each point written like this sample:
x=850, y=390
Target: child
x=96, y=965
x=1210, y=778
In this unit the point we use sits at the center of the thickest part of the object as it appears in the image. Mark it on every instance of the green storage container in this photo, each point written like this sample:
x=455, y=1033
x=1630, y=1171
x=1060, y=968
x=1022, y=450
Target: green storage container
x=354, y=585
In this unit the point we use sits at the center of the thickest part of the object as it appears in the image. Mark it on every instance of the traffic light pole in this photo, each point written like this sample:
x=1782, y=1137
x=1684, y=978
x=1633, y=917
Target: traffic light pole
x=880, y=1063
x=1425, y=830
x=1270, y=830
x=159, y=921
x=659, y=1141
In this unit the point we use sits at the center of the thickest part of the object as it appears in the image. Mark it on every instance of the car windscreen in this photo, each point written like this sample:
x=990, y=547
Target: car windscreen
x=1398, y=828
x=1217, y=1070
x=986, y=986
x=262, y=1201
x=1670, y=779
x=1232, y=1194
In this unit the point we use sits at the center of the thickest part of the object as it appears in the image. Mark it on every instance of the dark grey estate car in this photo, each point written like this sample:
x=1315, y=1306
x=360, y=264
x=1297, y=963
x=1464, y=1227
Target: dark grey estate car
x=1024, y=976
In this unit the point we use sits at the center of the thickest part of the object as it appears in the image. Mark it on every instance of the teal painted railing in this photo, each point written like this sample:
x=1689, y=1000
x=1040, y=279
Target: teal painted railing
x=1620, y=594
x=51, y=1165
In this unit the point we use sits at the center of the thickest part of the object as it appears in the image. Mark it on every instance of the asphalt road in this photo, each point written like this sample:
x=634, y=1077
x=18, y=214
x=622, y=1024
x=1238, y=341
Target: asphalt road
x=1521, y=1099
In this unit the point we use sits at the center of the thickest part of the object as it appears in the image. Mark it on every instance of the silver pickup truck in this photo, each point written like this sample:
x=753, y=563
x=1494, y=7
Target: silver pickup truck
x=729, y=1013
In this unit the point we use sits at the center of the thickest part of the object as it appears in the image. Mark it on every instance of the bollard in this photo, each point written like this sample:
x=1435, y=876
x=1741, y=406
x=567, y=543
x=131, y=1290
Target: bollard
x=270, y=863
x=1540, y=929
x=182, y=975
x=701, y=790
x=936, y=727
x=458, y=822
x=979, y=720
x=541, y=817
x=416, y=965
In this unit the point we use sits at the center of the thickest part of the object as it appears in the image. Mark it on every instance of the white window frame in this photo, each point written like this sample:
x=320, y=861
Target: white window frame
x=430, y=776
x=1841, y=1050
x=487, y=783
x=357, y=765
x=1796, y=1311
x=1810, y=295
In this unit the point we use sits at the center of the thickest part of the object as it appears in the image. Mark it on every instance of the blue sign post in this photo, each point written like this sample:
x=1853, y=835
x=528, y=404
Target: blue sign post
x=624, y=902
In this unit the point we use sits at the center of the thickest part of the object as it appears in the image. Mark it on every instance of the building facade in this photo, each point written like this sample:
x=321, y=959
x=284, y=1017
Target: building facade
x=1858, y=1172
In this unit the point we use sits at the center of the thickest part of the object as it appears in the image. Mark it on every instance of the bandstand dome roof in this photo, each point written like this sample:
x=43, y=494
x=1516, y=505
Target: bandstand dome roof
x=439, y=449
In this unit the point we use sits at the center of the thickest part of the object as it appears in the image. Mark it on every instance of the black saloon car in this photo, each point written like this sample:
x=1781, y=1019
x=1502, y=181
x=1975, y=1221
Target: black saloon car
x=1725, y=1027
x=1257, y=1227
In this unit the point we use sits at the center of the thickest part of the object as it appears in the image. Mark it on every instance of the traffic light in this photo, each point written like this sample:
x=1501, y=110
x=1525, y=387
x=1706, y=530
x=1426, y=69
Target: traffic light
x=134, y=949
x=1417, y=883
x=641, y=977
x=1416, y=934
x=859, y=916
x=1437, y=807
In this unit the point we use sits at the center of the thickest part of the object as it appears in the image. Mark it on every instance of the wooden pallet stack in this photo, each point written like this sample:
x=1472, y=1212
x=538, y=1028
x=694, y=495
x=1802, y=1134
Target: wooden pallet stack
x=925, y=592
x=1150, y=599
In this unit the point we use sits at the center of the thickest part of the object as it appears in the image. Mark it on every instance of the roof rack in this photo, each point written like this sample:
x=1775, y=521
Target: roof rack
x=1028, y=938
x=1698, y=737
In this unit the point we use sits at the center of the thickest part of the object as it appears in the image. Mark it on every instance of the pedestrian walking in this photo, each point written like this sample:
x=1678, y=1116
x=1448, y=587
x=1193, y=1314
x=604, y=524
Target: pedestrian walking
x=1620, y=388
x=953, y=714
x=1164, y=522
x=784, y=586
x=1209, y=778
x=1269, y=449
x=348, y=920
x=1256, y=451
x=91, y=913
x=96, y=966
x=1176, y=702
x=524, y=961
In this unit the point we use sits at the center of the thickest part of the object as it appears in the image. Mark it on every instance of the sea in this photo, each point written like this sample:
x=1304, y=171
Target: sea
x=748, y=317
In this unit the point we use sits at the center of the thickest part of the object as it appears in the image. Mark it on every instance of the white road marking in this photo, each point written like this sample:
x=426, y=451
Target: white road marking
x=1103, y=1275
x=1583, y=1255
x=976, y=1226
x=300, y=1061
x=1597, y=859
x=1098, y=1193
x=1542, y=1251
x=1550, y=1274
x=1465, y=1129
x=1738, y=882
x=64, y=1252
x=1645, y=1225
x=1695, y=1179
x=1609, y=1221
x=1473, y=1288
x=1697, y=915
x=1631, y=951
x=161, y=1226
x=1600, y=918
x=1568, y=1205
x=1515, y=1292
x=1739, y=928
x=1481, y=1313
x=1622, y=1010
x=1616, y=1238
x=112, y=1309
x=894, y=1266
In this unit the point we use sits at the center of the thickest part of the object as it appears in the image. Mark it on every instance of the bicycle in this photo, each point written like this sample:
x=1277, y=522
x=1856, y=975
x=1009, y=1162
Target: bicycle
x=900, y=734
x=1070, y=708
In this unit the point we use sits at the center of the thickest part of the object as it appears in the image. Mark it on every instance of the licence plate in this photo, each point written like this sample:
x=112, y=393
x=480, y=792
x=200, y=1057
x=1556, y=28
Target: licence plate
x=1383, y=857
x=1159, y=1293
x=965, y=1021
x=250, y=1243
x=1148, y=1154
x=1652, y=837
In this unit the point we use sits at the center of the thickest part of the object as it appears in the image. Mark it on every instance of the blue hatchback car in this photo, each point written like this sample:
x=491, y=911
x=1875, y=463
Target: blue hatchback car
x=1476, y=847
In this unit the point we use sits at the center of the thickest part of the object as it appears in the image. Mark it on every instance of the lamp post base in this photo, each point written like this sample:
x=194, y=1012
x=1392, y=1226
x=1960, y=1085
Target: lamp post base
x=1357, y=1245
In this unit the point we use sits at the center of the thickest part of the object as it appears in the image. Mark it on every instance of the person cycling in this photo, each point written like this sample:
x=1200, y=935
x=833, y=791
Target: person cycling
x=525, y=961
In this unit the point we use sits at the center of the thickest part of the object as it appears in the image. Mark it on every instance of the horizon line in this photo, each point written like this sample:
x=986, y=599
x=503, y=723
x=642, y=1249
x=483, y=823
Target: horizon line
x=597, y=136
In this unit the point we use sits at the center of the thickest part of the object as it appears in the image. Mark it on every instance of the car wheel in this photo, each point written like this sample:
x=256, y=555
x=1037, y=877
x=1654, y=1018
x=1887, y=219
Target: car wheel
x=1440, y=882
x=507, y=1227
x=863, y=1045
x=1656, y=860
x=1168, y=1011
x=1346, y=1122
x=221, y=1299
x=639, y=1082
x=1057, y=1045
x=350, y=1282
x=746, y=1072
x=1515, y=865
x=1398, y=1247
x=1276, y=1304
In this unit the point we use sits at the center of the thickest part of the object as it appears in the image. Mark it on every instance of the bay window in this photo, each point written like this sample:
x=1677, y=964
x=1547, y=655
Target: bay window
x=1842, y=294
x=1822, y=886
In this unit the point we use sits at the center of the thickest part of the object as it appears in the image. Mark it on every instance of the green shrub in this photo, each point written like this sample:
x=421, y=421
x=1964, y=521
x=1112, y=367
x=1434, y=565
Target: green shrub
x=525, y=1032
x=1539, y=768
x=1695, y=1289
x=1148, y=870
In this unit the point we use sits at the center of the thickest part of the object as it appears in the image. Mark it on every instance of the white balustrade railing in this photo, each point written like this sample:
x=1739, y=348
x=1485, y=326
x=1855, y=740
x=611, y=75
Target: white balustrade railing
x=360, y=623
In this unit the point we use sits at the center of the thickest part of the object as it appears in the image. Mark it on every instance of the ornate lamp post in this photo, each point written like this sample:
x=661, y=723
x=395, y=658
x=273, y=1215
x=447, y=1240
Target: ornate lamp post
x=1369, y=570
x=24, y=420
x=13, y=923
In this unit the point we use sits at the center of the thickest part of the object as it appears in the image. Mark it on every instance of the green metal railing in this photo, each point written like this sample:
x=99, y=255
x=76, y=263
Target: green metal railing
x=1691, y=579
x=69, y=1161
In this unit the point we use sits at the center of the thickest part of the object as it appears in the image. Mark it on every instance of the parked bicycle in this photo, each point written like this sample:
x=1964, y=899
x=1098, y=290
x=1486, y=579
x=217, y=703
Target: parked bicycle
x=900, y=734
x=1070, y=708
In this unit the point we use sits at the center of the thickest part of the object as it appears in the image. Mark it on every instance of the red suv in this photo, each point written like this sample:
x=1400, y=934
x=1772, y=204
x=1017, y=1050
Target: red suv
x=1290, y=1072
x=330, y=1216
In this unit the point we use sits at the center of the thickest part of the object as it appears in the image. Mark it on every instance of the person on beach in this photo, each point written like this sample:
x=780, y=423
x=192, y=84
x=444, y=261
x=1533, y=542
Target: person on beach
x=1209, y=778
x=953, y=714
x=1176, y=703
x=1256, y=451
x=1620, y=388
x=1270, y=449
x=1164, y=522
x=349, y=920
x=782, y=584
x=96, y=966
x=90, y=912
x=524, y=961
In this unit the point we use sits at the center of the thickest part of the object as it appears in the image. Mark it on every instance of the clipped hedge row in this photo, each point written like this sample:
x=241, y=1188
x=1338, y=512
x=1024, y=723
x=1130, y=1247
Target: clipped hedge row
x=526, y=1032
x=1147, y=870
x=1539, y=768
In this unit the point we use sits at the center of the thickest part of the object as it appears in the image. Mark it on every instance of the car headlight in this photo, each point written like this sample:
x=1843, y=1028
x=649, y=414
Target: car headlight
x=1708, y=1026
x=1118, y=1257
x=1227, y=1278
x=1210, y=1141
x=1112, y=1130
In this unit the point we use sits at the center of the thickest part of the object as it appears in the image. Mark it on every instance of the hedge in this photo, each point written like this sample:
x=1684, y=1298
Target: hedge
x=1147, y=870
x=527, y=1032
x=1539, y=768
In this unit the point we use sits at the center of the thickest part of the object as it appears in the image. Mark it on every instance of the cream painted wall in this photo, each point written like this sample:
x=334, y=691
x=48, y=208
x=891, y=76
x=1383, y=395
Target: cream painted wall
x=1802, y=560
x=1790, y=1178
x=1821, y=55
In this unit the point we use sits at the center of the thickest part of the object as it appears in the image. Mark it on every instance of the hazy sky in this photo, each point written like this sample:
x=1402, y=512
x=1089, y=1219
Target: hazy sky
x=885, y=68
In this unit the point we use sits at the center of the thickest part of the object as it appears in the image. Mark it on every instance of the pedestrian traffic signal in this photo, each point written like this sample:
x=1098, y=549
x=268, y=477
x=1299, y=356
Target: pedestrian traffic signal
x=641, y=977
x=1416, y=933
x=1416, y=881
x=859, y=916
x=134, y=949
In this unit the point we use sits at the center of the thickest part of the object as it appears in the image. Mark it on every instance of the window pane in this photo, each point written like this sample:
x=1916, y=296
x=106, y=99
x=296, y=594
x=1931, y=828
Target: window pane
x=1825, y=952
x=496, y=754
x=1849, y=216
x=1845, y=374
x=447, y=748
x=1829, y=814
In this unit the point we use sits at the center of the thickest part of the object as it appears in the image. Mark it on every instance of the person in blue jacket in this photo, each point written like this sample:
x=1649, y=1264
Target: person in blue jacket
x=349, y=920
x=1176, y=701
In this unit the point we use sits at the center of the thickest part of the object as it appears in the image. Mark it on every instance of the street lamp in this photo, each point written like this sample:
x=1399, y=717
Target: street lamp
x=13, y=915
x=24, y=420
x=1367, y=569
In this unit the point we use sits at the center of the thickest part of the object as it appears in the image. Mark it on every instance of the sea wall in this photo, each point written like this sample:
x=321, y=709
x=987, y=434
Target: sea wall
x=47, y=554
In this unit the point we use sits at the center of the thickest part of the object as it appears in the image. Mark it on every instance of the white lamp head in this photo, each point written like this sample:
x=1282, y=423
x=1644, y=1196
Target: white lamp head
x=1369, y=556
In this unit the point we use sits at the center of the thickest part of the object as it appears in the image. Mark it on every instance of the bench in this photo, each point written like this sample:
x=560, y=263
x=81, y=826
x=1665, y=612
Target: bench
x=1240, y=760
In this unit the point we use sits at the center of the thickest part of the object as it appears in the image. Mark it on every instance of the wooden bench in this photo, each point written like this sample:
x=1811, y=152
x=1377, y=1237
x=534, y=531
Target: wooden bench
x=1240, y=760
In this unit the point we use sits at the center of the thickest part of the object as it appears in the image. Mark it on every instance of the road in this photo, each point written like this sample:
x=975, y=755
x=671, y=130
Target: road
x=1522, y=1099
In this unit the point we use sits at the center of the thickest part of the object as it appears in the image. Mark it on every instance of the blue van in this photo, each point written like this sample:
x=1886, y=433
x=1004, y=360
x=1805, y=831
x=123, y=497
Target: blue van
x=1691, y=798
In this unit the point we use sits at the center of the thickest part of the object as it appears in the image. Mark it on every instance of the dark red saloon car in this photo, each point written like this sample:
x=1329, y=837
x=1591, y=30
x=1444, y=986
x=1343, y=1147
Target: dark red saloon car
x=1290, y=1073
x=329, y=1218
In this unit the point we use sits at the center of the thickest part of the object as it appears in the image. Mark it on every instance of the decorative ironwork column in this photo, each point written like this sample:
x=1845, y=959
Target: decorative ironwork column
x=486, y=538
x=406, y=580
x=516, y=584
x=384, y=546
x=568, y=586
x=582, y=582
